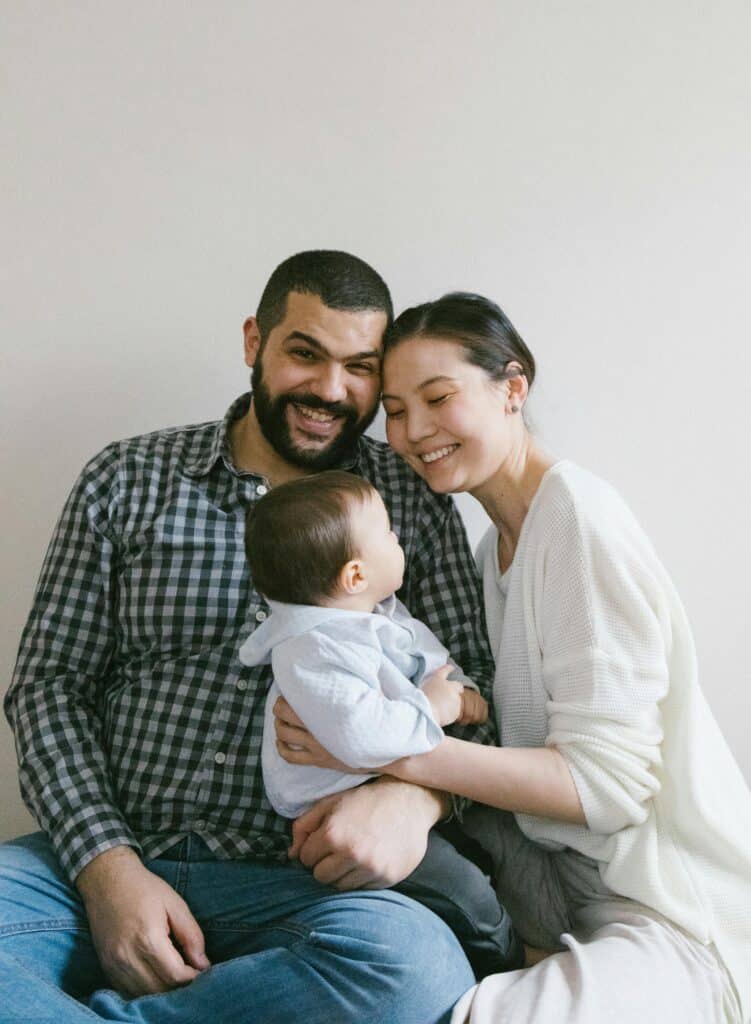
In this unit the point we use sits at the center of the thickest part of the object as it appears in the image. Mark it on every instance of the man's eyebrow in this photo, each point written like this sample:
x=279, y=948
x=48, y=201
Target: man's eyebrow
x=371, y=353
x=430, y=380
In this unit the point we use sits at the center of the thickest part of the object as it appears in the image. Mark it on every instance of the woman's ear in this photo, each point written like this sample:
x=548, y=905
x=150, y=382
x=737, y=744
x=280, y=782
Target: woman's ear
x=518, y=387
x=353, y=577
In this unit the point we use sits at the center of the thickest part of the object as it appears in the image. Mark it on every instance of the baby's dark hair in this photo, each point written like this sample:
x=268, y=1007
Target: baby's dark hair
x=298, y=538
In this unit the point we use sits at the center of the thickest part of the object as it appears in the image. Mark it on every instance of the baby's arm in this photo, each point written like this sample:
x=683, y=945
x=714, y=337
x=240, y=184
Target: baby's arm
x=454, y=701
x=334, y=689
x=451, y=701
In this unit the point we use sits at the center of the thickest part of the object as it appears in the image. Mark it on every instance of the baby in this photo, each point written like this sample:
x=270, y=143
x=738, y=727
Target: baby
x=361, y=673
x=370, y=682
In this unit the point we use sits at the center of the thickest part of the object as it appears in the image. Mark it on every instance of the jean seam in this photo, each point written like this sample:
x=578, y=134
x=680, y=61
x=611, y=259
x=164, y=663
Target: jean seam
x=181, y=876
x=219, y=925
x=48, y=924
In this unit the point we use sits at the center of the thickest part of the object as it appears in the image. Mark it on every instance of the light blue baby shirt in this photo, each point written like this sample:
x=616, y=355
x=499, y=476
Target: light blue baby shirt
x=353, y=678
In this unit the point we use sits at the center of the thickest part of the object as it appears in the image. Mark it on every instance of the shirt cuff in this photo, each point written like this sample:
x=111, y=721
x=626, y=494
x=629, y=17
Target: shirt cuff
x=82, y=840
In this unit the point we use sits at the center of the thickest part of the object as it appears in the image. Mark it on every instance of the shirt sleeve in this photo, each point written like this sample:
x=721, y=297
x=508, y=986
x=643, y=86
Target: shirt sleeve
x=66, y=648
x=443, y=591
x=604, y=627
x=334, y=689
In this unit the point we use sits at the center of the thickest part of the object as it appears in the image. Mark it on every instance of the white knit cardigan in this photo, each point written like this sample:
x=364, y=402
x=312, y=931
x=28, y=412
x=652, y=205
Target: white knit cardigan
x=595, y=656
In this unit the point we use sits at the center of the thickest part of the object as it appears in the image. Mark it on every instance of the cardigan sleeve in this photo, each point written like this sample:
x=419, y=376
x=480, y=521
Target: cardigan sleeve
x=604, y=630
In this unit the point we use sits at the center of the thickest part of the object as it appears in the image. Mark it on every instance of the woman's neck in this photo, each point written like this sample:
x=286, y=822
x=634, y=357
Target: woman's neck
x=507, y=495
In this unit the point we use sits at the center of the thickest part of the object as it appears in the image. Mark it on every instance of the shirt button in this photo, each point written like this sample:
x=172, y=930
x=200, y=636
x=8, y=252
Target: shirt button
x=261, y=490
x=220, y=758
x=242, y=684
x=260, y=615
x=199, y=824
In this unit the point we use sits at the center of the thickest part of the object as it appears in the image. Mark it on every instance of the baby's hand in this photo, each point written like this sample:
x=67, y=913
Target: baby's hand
x=474, y=708
x=445, y=695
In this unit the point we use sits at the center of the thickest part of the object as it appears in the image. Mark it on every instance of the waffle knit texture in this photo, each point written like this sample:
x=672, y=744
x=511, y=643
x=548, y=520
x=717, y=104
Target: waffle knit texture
x=595, y=657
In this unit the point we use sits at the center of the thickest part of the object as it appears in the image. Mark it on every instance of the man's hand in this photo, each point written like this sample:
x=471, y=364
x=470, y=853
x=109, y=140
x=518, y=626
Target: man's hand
x=137, y=923
x=474, y=708
x=444, y=694
x=371, y=837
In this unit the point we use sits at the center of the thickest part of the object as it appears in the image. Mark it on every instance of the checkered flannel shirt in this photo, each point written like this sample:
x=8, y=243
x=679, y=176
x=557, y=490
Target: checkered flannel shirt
x=135, y=721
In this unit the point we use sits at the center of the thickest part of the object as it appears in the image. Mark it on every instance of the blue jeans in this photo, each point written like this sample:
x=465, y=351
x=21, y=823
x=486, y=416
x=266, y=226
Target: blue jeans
x=283, y=948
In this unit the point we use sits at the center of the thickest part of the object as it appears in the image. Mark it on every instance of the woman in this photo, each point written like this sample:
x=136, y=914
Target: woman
x=629, y=845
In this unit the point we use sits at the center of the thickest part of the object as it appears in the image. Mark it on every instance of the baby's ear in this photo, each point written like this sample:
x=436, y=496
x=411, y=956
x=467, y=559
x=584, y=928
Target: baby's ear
x=352, y=578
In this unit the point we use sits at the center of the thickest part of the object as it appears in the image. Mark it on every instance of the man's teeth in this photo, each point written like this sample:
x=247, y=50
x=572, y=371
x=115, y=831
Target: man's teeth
x=315, y=414
x=439, y=453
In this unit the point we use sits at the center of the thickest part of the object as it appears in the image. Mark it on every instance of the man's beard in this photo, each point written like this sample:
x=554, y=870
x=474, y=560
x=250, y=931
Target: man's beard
x=271, y=415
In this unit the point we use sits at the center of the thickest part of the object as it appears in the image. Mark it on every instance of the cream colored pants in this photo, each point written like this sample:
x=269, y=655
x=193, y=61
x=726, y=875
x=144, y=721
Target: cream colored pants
x=619, y=962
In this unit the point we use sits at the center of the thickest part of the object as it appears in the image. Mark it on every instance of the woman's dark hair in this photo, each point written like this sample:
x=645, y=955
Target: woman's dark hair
x=483, y=330
x=298, y=538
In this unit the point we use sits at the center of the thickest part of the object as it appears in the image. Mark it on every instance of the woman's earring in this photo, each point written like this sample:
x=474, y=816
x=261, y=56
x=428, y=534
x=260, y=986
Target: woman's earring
x=514, y=408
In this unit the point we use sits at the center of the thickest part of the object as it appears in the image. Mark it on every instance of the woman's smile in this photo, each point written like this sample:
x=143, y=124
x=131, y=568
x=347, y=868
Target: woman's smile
x=438, y=454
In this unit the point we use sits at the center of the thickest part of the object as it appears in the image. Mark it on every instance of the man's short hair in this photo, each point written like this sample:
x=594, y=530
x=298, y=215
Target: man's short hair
x=340, y=280
x=298, y=537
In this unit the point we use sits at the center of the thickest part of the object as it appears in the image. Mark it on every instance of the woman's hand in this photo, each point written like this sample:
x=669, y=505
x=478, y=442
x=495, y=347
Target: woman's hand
x=299, y=746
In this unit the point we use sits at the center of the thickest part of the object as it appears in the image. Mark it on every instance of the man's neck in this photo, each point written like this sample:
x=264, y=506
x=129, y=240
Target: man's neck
x=252, y=453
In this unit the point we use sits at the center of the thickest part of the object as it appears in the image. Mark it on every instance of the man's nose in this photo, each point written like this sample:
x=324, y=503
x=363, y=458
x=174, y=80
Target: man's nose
x=329, y=382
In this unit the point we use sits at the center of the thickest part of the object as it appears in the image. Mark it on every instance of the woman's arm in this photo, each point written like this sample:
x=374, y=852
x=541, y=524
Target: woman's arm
x=527, y=780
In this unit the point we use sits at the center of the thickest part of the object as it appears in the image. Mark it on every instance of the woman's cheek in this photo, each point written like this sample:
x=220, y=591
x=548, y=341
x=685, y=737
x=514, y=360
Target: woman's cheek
x=393, y=435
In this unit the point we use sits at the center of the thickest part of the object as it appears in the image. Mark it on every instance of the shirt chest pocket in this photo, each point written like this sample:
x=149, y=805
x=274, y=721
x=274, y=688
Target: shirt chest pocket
x=182, y=582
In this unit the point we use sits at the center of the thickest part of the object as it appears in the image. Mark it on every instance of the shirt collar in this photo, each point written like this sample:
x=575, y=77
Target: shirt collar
x=219, y=446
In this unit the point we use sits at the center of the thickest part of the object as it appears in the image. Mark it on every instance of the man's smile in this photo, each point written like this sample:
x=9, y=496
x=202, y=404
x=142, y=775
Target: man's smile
x=318, y=422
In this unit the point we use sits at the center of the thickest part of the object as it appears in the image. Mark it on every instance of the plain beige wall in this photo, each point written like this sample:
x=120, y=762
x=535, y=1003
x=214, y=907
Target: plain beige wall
x=585, y=163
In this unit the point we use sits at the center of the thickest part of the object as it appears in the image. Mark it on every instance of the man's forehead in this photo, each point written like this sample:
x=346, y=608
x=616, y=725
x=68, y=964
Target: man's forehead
x=337, y=330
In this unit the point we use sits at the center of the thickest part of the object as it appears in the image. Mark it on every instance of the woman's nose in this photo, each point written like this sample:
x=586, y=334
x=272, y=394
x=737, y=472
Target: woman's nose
x=419, y=426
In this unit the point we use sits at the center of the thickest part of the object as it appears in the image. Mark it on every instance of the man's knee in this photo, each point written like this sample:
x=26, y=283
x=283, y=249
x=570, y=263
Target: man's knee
x=398, y=961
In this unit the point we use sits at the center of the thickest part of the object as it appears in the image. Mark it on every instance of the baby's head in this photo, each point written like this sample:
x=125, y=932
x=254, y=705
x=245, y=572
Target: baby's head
x=325, y=540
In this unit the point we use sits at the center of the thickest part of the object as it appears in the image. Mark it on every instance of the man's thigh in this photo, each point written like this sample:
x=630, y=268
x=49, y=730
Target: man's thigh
x=246, y=907
x=288, y=942
x=42, y=920
x=306, y=951
x=362, y=955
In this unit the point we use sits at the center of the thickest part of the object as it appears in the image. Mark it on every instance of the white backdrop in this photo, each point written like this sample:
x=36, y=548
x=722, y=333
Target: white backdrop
x=587, y=164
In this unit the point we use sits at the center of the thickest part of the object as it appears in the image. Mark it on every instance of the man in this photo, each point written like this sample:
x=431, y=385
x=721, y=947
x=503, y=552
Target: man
x=138, y=730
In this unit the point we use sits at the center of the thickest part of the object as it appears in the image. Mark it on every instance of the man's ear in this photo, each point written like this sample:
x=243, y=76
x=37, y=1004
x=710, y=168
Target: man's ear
x=353, y=577
x=252, y=340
